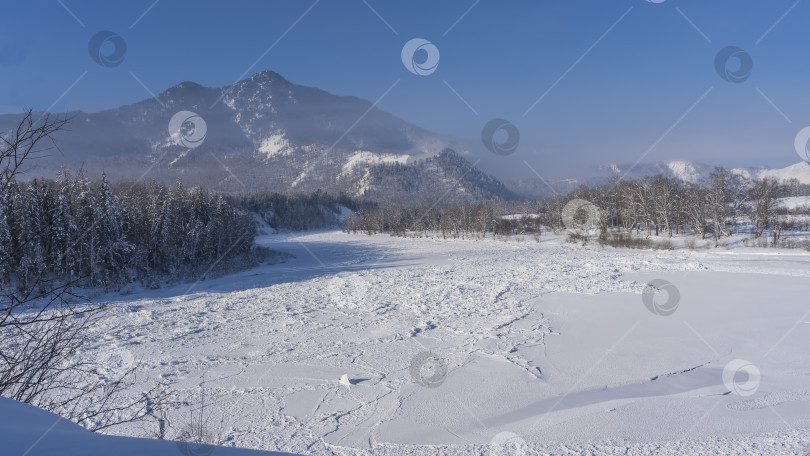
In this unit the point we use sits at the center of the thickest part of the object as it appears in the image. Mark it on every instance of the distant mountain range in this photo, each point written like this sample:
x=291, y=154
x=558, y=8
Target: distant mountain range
x=694, y=172
x=686, y=171
x=266, y=133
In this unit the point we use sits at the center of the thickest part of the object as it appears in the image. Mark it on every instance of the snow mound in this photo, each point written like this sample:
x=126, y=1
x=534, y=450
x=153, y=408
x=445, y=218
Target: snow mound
x=34, y=432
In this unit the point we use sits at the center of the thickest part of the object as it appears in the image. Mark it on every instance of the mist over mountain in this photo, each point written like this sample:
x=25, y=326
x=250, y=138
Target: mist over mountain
x=267, y=133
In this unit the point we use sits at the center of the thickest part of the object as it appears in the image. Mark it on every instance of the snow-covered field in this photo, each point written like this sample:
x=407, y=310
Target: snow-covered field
x=795, y=202
x=493, y=347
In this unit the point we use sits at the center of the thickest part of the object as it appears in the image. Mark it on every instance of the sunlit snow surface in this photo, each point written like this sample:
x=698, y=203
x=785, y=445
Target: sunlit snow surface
x=547, y=341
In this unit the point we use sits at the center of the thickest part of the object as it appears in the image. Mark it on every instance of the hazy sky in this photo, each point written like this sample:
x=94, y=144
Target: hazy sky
x=616, y=77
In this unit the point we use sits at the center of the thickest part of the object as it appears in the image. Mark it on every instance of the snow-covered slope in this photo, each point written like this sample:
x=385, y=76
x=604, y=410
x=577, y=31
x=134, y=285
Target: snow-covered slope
x=800, y=171
x=27, y=430
x=795, y=202
x=417, y=183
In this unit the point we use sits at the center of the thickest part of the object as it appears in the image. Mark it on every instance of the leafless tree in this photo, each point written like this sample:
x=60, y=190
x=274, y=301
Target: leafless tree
x=764, y=195
x=44, y=325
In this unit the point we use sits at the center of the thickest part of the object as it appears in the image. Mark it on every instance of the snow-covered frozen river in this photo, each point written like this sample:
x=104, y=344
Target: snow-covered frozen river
x=391, y=346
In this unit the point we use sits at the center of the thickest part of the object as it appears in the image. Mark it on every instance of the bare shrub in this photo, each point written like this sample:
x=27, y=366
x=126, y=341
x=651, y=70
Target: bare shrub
x=689, y=243
x=576, y=238
x=665, y=244
x=198, y=428
x=625, y=240
x=45, y=325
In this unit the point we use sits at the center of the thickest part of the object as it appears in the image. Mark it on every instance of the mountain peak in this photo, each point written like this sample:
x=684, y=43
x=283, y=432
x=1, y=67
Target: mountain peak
x=260, y=77
x=266, y=76
x=185, y=89
x=189, y=85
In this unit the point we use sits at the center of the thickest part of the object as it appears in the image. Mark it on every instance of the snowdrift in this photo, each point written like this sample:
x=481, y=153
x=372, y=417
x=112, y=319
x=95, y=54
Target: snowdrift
x=27, y=430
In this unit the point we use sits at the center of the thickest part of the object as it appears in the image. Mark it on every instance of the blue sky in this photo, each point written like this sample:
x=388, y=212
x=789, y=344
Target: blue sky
x=620, y=76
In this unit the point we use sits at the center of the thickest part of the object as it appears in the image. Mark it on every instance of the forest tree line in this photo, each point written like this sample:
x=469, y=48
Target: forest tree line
x=719, y=206
x=94, y=233
x=298, y=212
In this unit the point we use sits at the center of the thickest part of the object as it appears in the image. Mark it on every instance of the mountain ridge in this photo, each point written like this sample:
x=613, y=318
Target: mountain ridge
x=261, y=133
x=267, y=133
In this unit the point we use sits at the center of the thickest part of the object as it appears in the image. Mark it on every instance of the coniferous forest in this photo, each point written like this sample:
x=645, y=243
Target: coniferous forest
x=94, y=233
